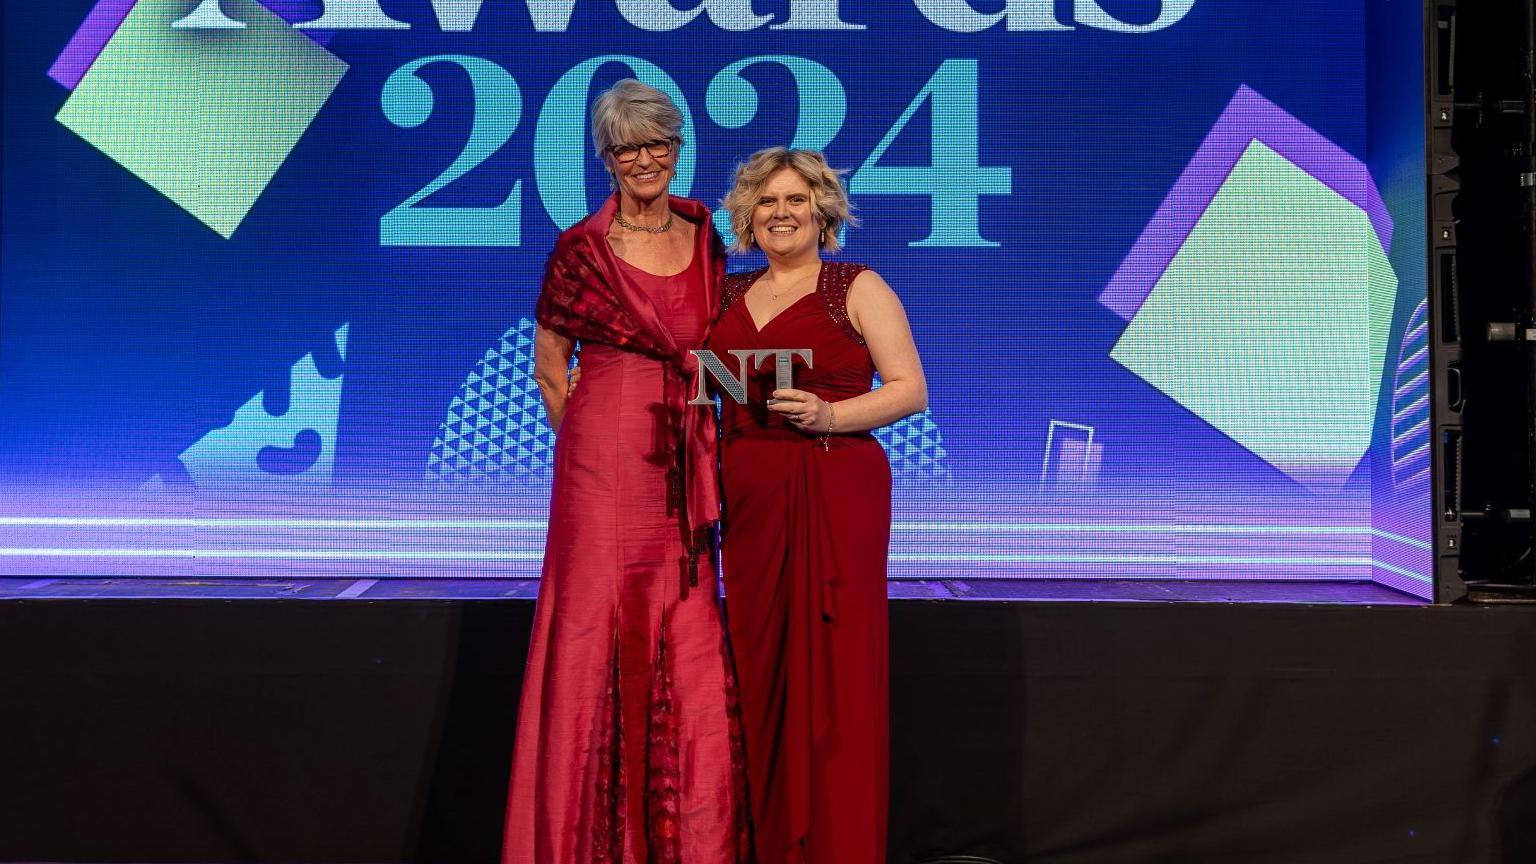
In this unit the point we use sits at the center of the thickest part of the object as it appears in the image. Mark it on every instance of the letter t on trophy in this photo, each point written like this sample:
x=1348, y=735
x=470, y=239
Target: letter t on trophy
x=783, y=364
x=746, y=361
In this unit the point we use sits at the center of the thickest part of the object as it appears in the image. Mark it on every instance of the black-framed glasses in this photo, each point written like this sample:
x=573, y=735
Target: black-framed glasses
x=660, y=148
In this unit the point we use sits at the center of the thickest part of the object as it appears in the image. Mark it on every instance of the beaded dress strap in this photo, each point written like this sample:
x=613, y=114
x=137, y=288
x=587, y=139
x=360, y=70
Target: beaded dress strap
x=736, y=285
x=836, y=278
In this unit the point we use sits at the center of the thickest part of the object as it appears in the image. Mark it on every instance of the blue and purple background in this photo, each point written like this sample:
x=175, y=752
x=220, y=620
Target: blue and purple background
x=266, y=290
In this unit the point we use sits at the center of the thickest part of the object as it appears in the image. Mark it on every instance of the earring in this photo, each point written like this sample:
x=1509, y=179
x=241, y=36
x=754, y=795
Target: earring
x=823, y=240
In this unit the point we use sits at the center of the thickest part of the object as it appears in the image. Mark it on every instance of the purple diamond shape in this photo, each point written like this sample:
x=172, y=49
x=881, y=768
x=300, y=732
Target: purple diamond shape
x=85, y=46
x=106, y=16
x=1247, y=118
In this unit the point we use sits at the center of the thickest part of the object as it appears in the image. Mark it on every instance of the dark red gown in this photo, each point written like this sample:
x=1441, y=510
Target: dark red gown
x=805, y=544
x=627, y=750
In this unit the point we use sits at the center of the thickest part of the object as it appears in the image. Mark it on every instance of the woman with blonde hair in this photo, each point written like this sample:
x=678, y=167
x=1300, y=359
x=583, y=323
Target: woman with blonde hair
x=808, y=514
x=627, y=750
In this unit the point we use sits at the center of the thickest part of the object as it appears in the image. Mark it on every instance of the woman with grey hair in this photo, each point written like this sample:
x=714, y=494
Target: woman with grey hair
x=627, y=745
x=808, y=512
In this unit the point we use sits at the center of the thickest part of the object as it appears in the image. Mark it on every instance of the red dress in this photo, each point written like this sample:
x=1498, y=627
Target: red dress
x=807, y=530
x=627, y=747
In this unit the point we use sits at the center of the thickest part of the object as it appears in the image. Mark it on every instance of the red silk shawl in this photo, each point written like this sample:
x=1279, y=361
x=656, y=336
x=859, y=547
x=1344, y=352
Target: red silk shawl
x=588, y=297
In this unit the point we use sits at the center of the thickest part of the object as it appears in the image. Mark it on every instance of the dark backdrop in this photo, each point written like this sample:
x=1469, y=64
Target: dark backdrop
x=340, y=732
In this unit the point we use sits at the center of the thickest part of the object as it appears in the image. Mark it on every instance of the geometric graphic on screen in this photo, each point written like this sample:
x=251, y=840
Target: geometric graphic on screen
x=283, y=438
x=915, y=447
x=1270, y=321
x=1410, y=404
x=1248, y=117
x=204, y=117
x=1072, y=458
x=107, y=15
x=495, y=432
x=85, y=46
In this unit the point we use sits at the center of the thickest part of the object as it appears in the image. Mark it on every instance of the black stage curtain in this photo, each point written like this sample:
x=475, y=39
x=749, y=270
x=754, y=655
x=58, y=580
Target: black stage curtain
x=349, y=731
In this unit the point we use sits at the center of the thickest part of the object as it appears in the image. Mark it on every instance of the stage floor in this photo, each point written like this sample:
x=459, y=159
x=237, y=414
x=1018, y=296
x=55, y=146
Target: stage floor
x=1023, y=590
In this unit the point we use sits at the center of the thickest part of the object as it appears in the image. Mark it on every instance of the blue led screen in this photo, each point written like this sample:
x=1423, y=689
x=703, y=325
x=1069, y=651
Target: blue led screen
x=269, y=269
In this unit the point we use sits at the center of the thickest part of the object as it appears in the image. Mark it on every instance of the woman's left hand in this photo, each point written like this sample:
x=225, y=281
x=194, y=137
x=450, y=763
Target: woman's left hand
x=805, y=411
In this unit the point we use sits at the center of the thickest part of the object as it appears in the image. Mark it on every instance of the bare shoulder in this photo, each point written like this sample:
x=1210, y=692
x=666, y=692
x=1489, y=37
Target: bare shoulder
x=871, y=299
x=870, y=288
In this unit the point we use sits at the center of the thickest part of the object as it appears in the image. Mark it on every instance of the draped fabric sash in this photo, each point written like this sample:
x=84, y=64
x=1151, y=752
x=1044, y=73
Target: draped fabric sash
x=811, y=575
x=586, y=296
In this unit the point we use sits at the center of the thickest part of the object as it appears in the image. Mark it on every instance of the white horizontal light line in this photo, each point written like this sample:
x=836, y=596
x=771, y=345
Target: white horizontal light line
x=1414, y=453
x=1415, y=357
x=1392, y=568
x=295, y=554
x=907, y=558
x=1421, y=378
x=1012, y=558
x=164, y=522
x=1419, y=428
x=1421, y=402
x=540, y=525
x=458, y=554
x=1406, y=541
x=1124, y=528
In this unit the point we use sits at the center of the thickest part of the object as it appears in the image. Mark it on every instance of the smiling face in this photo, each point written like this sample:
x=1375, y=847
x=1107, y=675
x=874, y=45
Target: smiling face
x=645, y=176
x=785, y=222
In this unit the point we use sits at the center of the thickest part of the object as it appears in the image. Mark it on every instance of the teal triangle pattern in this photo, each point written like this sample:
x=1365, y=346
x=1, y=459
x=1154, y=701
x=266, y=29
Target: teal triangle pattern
x=915, y=447
x=495, y=433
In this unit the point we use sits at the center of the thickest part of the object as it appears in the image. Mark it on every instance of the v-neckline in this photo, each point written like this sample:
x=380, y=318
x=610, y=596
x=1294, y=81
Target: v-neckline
x=637, y=268
x=747, y=308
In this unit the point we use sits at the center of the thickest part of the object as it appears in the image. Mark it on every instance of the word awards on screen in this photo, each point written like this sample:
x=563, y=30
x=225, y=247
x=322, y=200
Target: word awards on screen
x=554, y=16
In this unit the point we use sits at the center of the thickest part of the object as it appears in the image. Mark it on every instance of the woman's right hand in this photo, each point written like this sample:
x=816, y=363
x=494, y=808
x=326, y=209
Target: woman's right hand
x=572, y=378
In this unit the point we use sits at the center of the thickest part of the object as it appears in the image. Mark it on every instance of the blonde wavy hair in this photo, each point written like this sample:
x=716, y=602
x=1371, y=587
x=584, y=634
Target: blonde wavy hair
x=828, y=198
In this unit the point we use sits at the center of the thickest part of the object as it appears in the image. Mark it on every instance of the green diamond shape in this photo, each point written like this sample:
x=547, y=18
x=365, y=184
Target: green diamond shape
x=1271, y=322
x=204, y=116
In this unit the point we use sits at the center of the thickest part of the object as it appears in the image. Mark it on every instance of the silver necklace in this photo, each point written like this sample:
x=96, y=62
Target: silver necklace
x=618, y=216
